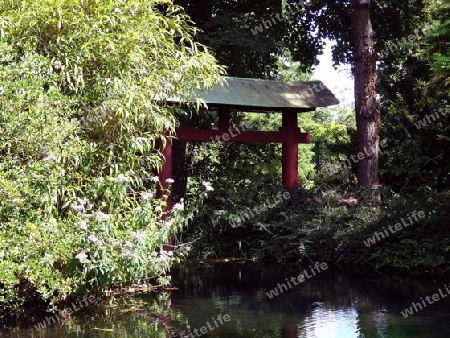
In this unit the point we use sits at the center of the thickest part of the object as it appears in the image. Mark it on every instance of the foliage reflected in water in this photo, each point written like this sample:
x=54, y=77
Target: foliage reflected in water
x=334, y=303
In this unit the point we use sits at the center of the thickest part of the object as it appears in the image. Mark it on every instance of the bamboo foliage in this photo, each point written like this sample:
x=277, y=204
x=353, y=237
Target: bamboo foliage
x=82, y=89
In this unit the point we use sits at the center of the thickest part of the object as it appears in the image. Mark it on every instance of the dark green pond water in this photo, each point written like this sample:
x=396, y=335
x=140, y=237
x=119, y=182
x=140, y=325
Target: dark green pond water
x=230, y=300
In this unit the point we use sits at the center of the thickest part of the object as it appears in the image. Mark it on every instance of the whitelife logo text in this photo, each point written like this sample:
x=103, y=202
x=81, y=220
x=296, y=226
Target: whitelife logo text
x=222, y=319
x=415, y=307
x=77, y=306
x=379, y=235
x=296, y=280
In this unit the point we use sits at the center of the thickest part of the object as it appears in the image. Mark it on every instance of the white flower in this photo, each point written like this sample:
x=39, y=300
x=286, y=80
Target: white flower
x=81, y=256
x=146, y=195
x=178, y=206
x=164, y=258
x=128, y=244
x=154, y=254
x=126, y=254
x=77, y=207
x=94, y=239
x=48, y=157
x=101, y=217
x=208, y=186
x=139, y=235
x=57, y=64
x=170, y=181
x=84, y=225
x=168, y=223
x=154, y=179
x=170, y=253
x=122, y=178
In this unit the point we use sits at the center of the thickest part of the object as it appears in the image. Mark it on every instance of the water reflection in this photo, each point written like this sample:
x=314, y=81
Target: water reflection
x=323, y=322
x=333, y=304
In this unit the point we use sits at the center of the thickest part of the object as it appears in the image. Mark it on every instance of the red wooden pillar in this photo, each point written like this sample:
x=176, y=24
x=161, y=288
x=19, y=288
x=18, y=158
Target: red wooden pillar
x=164, y=188
x=166, y=172
x=224, y=118
x=290, y=150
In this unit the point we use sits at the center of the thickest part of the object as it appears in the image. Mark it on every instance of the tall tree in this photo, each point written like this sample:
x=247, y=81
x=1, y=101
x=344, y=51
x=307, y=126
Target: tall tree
x=367, y=117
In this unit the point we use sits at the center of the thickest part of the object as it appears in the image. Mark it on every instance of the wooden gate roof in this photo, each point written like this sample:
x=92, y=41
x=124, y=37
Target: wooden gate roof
x=267, y=95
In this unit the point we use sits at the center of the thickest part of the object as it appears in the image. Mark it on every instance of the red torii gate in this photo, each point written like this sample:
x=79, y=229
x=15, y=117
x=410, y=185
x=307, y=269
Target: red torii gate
x=254, y=95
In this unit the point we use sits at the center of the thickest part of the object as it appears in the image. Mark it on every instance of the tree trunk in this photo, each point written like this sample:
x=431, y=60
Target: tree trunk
x=367, y=116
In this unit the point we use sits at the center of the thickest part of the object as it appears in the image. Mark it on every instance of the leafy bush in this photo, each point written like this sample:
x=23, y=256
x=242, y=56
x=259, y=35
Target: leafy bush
x=81, y=86
x=329, y=223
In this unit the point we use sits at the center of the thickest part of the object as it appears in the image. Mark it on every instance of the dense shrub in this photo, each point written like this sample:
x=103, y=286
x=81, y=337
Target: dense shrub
x=330, y=223
x=81, y=86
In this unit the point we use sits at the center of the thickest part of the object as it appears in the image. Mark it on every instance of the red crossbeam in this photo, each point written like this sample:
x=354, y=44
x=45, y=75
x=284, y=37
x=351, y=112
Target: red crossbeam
x=240, y=136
